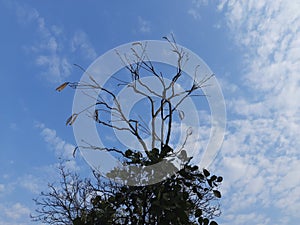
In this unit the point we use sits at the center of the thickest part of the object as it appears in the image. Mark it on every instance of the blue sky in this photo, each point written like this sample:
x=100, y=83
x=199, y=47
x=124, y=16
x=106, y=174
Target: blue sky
x=253, y=47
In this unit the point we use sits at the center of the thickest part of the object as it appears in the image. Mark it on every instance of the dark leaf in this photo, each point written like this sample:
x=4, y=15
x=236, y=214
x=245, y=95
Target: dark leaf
x=200, y=175
x=165, y=150
x=185, y=195
x=213, y=178
x=213, y=223
x=217, y=193
x=78, y=221
x=206, y=173
x=219, y=179
x=111, y=199
x=200, y=196
x=128, y=153
x=155, y=152
x=210, y=183
x=183, y=217
x=194, y=168
x=200, y=220
x=198, y=212
x=96, y=115
x=205, y=221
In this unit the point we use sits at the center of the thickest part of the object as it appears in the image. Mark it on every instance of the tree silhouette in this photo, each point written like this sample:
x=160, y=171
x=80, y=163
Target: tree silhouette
x=178, y=191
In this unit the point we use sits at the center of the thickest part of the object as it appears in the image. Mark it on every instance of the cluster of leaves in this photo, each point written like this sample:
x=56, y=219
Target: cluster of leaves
x=189, y=196
x=186, y=197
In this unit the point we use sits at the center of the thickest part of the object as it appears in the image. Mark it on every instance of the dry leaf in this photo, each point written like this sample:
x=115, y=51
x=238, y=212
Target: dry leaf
x=74, y=152
x=189, y=131
x=71, y=119
x=92, y=78
x=136, y=43
x=61, y=87
x=181, y=114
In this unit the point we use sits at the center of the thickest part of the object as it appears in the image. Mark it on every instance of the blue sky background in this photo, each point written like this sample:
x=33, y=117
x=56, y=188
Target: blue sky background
x=253, y=47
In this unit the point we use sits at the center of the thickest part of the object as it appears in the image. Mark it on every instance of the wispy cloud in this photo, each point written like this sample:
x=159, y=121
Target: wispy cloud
x=62, y=149
x=2, y=188
x=80, y=42
x=48, y=49
x=196, y=5
x=31, y=183
x=53, y=48
x=260, y=153
x=14, y=214
x=144, y=25
x=16, y=211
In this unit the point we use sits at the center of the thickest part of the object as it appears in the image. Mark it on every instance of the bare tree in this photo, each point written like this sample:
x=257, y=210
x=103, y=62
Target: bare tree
x=185, y=195
x=170, y=98
x=64, y=201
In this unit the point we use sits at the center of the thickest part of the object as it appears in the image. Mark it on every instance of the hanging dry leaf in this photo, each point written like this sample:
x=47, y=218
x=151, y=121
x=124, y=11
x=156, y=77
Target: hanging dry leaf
x=136, y=43
x=92, y=78
x=181, y=114
x=74, y=152
x=71, y=119
x=189, y=131
x=62, y=86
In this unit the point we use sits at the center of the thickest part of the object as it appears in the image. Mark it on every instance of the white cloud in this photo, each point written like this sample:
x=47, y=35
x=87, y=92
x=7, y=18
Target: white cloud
x=61, y=148
x=2, y=188
x=80, y=42
x=196, y=5
x=52, y=49
x=48, y=49
x=261, y=150
x=194, y=13
x=16, y=211
x=58, y=68
x=31, y=183
x=144, y=25
x=245, y=218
